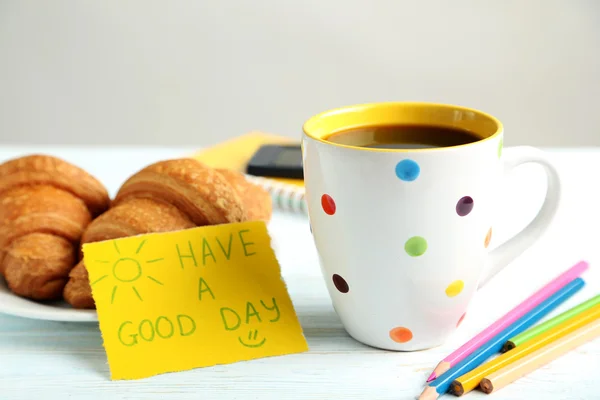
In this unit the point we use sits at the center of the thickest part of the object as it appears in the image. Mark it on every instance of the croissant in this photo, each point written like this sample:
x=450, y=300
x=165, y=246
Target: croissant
x=168, y=196
x=45, y=205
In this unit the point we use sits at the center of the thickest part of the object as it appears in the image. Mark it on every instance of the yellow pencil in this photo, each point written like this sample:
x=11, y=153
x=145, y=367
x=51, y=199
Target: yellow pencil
x=505, y=376
x=471, y=380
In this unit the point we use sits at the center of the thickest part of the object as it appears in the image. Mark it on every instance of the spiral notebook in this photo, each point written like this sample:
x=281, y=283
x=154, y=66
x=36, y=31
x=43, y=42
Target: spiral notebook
x=287, y=194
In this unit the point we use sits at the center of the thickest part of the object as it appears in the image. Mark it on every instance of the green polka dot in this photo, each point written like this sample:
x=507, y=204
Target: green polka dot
x=500, y=145
x=415, y=246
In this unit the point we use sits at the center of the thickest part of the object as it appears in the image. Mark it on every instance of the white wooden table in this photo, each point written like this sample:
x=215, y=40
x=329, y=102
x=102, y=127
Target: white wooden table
x=55, y=360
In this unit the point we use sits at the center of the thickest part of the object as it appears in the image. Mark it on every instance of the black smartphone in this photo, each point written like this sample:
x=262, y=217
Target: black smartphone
x=277, y=161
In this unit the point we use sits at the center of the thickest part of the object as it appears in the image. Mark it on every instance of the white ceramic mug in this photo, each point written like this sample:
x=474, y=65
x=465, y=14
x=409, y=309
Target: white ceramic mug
x=403, y=235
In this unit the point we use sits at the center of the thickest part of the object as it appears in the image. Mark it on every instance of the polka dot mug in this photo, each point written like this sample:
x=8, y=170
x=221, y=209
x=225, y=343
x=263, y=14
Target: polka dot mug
x=403, y=234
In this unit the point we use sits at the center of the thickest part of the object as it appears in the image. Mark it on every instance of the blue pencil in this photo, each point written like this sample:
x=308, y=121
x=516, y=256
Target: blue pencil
x=442, y=383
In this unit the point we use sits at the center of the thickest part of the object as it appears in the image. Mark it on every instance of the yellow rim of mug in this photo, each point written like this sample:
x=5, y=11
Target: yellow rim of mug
x=340, y=119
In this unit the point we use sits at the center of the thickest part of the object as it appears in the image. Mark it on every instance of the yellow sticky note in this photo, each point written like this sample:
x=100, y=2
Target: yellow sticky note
x=180, y=300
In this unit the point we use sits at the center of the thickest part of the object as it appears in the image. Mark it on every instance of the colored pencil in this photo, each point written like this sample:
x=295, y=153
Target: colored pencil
x=501, y=378
x=442, y=383
x=527, y=305
x=539, y=329
x=471, y=380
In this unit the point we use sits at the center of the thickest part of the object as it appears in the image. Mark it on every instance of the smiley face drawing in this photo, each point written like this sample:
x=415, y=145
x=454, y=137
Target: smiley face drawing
x=232, y=321
x=252, y=338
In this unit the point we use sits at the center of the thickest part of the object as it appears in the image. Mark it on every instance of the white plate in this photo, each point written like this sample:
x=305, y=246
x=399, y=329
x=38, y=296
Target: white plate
x=53, y=311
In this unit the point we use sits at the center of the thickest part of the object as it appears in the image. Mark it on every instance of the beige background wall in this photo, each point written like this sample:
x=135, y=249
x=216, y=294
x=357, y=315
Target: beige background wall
x=195, y=72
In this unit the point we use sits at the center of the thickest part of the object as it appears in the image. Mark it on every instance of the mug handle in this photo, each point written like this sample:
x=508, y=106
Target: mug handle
x=513, y=247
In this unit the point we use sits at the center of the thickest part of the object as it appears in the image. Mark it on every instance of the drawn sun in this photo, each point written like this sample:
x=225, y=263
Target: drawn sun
x=127, y=271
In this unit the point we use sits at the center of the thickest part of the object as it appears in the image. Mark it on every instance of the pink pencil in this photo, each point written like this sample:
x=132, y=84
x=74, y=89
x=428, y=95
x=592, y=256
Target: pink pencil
x=533, y=301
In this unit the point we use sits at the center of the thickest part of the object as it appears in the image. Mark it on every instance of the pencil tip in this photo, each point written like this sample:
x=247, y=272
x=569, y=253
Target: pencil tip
x=431, y=377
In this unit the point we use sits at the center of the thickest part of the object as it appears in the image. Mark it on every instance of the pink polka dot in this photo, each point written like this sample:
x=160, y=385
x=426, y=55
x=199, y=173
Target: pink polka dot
x=328, y=204
x=460, y=320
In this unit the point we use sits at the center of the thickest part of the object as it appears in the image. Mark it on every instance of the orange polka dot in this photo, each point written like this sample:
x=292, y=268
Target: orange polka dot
x=401, y=334
x=455, y=288
x=488, y=238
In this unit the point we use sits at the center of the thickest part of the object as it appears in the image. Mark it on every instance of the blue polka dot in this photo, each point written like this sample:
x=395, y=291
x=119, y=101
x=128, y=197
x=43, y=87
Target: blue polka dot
x=407, y=170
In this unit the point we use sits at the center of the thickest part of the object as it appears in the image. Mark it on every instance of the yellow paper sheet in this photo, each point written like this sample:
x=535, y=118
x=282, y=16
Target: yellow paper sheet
x=194, y=298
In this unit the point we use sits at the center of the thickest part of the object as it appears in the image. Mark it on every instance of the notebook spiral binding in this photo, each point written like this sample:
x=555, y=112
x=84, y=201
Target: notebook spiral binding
x=285, y=197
